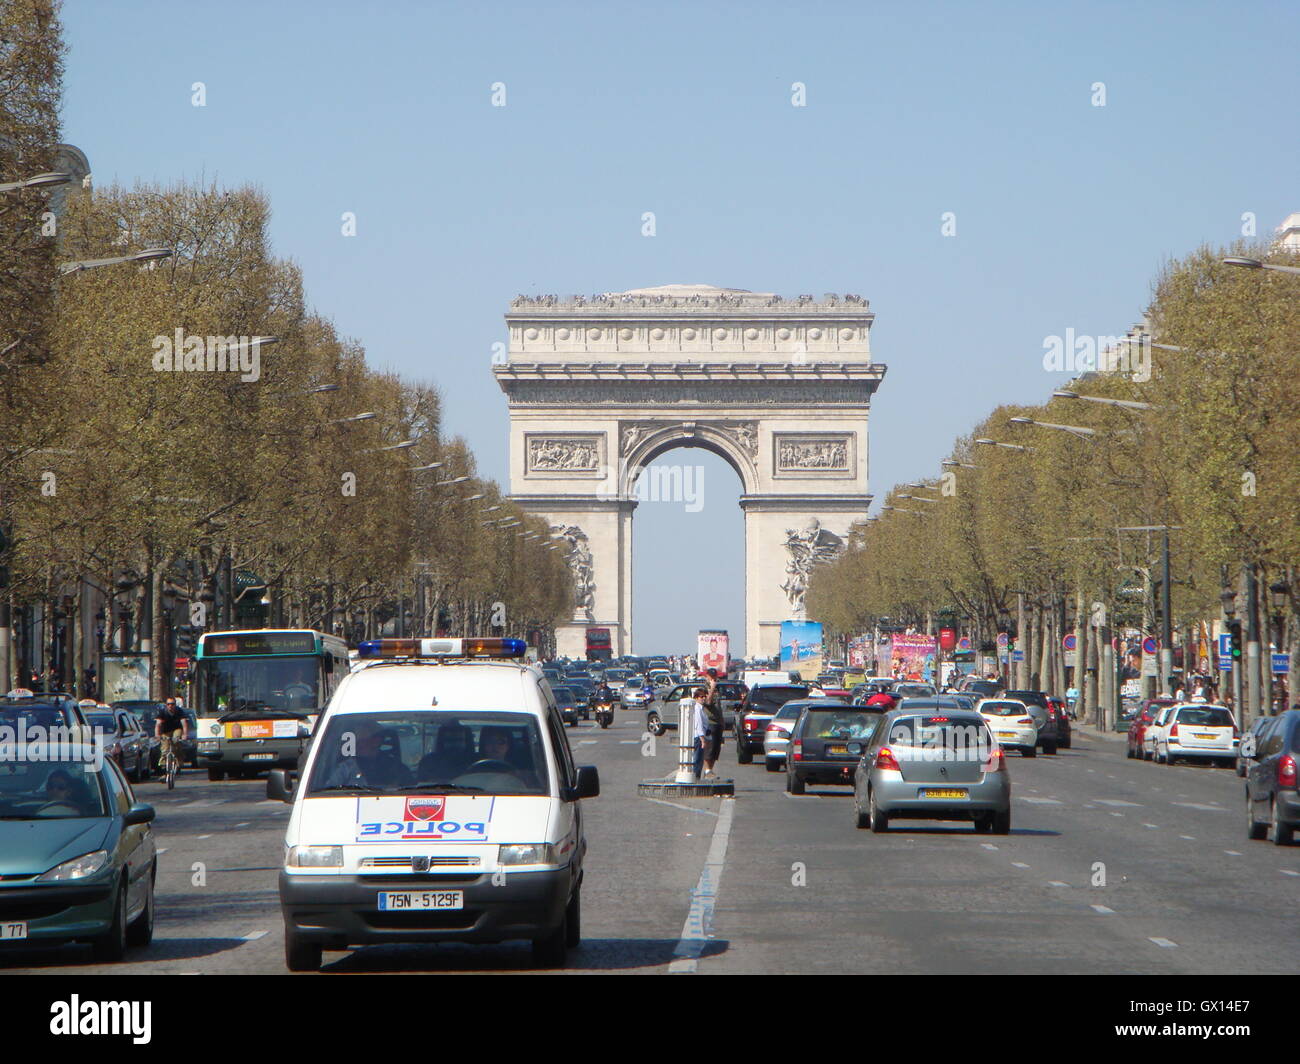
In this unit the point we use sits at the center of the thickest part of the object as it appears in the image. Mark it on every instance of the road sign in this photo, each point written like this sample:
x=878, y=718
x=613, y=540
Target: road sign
x=1017, y=655
x=964, y=643
x=1281, y=664
x=1069, y=642
x=1225, y=651
x=1148, y=645
x=1003, y=639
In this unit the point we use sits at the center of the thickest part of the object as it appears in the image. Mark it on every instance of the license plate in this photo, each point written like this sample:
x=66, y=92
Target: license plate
x=421, y=899
x=1006, y=735
x=947, y=793
x=12, y=931
x=837, y=749
x=259, y=757
x=1205, y=735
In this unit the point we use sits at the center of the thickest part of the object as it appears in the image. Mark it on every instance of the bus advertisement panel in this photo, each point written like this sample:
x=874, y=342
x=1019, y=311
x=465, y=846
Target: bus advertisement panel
x=801, y=648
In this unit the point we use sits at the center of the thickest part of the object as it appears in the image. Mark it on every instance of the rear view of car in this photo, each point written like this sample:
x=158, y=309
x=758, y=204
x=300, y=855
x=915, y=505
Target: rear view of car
x=1011, y=724
x=933, y=766
x=1272, y=794
x=760, y=706
x=1198, y=733
x=826, y=743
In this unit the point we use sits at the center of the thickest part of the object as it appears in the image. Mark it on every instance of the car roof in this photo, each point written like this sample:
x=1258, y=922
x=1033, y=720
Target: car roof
x=925, y=711
x=461, y=685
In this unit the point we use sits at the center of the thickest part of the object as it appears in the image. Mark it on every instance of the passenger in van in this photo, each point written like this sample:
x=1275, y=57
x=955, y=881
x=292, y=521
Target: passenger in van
x=376, y=762
x=452, y=754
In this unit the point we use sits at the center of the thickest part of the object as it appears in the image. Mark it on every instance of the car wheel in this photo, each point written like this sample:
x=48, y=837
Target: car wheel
x=1065, y=745
x=1254, y=829
x=1049, y=749
x=216, y=775
x=1241, y=769
x=794, y=784
x=1146, y=754
x=655, y=724
x=743, y=754
x=1279, y=834
x=549, y=950
x=110, y=947
x=1002, y=823
x=1129, y=753
x=773, y=765
x=300, y=955
x=1028, y=751
x=983, y=824
x=140, y=931
x=859, y=817
x=573, y=920
x=879, y=820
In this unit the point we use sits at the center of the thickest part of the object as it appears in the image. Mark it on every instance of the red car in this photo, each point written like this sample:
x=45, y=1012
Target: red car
x=1146, y=713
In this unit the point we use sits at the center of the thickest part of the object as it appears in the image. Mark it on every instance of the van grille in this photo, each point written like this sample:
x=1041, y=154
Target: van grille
x=405, y=862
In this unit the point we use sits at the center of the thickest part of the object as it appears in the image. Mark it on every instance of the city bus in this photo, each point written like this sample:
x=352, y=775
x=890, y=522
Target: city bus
x=257, y=695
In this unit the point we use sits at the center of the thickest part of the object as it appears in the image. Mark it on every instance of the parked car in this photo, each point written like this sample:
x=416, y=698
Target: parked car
x=1272, y=799
x=932, y=765
x=1200, y=733
x=826, y=743
x=125, y=741
x=1049, y=734
x=1142, y=717
x=1011, y=724
x=912, y=689
x=1249, y=747
x=757, y=711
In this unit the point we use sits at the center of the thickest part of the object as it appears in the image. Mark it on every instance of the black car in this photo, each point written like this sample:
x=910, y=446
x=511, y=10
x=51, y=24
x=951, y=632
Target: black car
x=148, y=711
x=819, y=744
x=756, y=712
x=22, y=712
x=1044, y=715
x=980, y=688
x=569, y=702
x=125, y=741
x=1272, y=796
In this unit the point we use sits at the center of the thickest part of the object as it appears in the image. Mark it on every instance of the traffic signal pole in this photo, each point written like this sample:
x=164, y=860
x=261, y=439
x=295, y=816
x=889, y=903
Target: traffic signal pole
x=1167, y=631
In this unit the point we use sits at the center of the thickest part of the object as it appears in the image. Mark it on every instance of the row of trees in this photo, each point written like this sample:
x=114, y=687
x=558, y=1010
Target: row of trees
x=156, y=445
x=1196, y=433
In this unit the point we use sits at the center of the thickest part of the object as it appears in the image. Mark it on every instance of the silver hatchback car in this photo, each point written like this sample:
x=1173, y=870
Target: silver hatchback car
x=932, y=764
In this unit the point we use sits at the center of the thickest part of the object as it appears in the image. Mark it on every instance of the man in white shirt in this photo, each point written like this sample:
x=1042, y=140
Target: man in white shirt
x=699, y=729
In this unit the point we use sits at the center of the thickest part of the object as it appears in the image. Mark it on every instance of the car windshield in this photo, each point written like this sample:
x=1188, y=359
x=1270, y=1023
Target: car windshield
x=256, y=685
x=17, y=720
x=50, y=790
x=840, y=724
x=790, y=711
x=562, y=694
x=1206, y=718
x=617, y=674
x=104, y=722
x=1004, y=709
x=430, y=751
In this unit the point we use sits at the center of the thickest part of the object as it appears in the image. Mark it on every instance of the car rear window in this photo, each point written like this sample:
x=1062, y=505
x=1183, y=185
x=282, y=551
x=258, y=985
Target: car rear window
x=1004, y=709
x=913, y=690
x=789, y=711
x=769, y=699
x=958, y=733
x=1206, y=718
x=840, y=724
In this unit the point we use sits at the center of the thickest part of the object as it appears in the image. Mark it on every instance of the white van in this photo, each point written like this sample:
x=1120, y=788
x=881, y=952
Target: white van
x=439, y=802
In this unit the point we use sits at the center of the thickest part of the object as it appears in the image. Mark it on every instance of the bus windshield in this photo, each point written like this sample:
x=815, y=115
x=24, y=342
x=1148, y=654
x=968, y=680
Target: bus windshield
x=238, y=685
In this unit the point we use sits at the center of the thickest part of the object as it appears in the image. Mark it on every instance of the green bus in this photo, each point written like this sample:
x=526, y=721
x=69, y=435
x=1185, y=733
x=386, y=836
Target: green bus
x=257, y=694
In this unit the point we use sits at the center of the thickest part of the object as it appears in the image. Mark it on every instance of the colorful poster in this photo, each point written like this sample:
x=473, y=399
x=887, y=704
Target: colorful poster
x=859, y=651
x=713, y=651
x=801, y=648
x=912, y=657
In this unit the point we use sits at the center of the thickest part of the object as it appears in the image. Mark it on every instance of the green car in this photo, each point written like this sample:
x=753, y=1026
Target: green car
x=77, y=854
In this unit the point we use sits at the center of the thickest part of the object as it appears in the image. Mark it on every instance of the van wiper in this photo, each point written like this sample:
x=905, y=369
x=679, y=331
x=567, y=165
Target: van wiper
x=440, y=786
x=355, y=787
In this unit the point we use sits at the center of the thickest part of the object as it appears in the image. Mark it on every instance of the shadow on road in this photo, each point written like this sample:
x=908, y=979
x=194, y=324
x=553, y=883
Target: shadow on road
x=594, y=955
x=161, y=949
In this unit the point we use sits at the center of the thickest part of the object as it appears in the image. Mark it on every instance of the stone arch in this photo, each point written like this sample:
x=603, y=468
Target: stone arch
x=716, y=439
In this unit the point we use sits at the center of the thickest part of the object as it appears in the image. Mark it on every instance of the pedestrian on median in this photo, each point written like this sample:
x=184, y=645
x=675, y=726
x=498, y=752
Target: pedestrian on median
x=699, y=729
x=713, y=708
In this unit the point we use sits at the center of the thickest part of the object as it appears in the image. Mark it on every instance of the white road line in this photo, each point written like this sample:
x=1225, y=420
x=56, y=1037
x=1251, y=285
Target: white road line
x=1117, y=801
x=1056, y=883
x=1202, y=805
x=270, y=801
x=1164, y=943
x=1189, y=838
x=244, y=824
x=1150, y=825
x=204, y=802
x=699, y=919
x=628, y=742
x=1288, y=872
x=588, y=742
x=688, y=808
x=253, y=936
x=204, y=836
x=1232, y=853
x=1018, y=864
x=1039, y=801
x=162, y=850
x=1116, y=814
x=1103, y=910
x=988, y=846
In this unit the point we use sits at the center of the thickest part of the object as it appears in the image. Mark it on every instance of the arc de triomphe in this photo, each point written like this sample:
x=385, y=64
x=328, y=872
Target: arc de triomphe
x=779, y=388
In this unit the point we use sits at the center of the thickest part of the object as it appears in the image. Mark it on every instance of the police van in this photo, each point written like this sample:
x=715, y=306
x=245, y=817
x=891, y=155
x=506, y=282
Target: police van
x=438, y=802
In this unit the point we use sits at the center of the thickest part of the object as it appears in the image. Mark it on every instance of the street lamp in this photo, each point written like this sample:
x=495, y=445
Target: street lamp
x=914, y=513
x=148, y=255
x=1256, y=264
x=1008, y=446
x=405, y=445
x=1130, y=404
x=454, y=480
x=422, y=468
x=367, y=416
x=472, y=498
x=952, y=464
x=1075, y=430
x=322, y=388
x=918, y=498
x=54, y=177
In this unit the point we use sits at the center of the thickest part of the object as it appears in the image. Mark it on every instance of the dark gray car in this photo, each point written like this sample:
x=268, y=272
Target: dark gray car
x=1044, y=716
x=1272, y=797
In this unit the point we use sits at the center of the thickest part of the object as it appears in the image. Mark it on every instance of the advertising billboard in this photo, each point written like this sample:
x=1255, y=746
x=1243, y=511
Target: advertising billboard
x=713, y=651
x=912, y=657
x=801, y=648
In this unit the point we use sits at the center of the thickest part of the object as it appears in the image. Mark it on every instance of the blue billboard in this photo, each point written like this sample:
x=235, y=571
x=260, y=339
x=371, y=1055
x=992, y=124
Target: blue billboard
x=801, y=648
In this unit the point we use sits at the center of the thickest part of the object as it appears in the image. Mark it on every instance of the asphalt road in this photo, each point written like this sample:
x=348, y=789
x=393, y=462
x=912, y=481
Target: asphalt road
x=1112, y=866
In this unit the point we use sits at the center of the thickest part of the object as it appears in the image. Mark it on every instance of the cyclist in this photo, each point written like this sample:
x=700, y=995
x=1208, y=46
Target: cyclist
x=166, y=725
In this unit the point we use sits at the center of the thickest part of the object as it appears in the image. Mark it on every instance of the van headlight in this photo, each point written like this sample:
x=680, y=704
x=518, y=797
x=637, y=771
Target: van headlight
x=315, y=857
x=531, y=853
x=78, y=868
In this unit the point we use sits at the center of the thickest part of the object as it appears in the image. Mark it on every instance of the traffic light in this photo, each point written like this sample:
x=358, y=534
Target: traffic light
x=186, y=640
x=1234, y=630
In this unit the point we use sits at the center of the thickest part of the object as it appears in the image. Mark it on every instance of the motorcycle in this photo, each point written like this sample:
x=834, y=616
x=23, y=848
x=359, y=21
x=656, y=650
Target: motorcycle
x=604, y=714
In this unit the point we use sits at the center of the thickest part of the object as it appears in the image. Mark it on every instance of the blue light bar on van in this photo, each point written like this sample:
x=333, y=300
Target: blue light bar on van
x=485, y=647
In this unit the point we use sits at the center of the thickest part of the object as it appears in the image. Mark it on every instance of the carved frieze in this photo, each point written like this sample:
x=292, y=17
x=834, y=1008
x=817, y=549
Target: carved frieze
x=566, y=454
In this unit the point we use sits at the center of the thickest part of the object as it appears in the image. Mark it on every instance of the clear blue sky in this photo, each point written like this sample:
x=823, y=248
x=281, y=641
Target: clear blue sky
x=1064, y=210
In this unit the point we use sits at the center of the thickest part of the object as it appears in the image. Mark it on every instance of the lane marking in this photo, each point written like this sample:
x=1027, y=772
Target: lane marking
x=627, y=742
x=243, y=825
x=1117, y=801
x=1164, y=943
x=988, y=846
x=1039, y=801
x=162, y=850
x=1056, y=883
x=1189, y=838
x=699, y=919
x=1203, y=806
x=1103, y=910
x=588, y=742
x=1116, y=814
x=270, y=801
x=253, y=936
x=1018, y=864
x=1232, y=853
x=204, y=836
x=1288, y=872
x=1150, y=825
x=688, y=808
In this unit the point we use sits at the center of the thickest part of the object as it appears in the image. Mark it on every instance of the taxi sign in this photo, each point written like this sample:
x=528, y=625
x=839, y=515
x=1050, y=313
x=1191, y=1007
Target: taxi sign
x=21, y=692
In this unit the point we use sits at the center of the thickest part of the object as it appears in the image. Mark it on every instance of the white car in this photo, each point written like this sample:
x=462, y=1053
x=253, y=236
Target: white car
x=1011, y=723
x=438, y=802
x=1199, y=731
x=1153, y=730
x=776, y=737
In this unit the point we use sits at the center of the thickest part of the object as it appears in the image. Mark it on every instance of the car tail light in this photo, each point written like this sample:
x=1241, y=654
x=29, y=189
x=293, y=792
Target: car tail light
x=1051, y=713
x=796, y=751
x=997, y=761
x=1286, y=775
x=1025, y=720
x=1235, y=734
x=1173, y=732
x=773, y=729
x=750, y=724
x=885, y=759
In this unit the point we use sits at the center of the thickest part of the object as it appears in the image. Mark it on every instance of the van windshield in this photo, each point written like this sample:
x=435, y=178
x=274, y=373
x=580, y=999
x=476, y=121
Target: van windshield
x=423, y=751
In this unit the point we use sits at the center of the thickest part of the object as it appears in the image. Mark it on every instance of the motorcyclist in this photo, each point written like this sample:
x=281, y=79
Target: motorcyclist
x=604, y=694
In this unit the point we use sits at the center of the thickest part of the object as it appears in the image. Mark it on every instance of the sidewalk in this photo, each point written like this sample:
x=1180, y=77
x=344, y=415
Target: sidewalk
x=1088, y=731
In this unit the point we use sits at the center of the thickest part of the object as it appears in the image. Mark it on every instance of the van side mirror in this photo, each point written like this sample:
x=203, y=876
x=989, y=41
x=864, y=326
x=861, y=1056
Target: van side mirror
x=280, y=784
x=588, y=785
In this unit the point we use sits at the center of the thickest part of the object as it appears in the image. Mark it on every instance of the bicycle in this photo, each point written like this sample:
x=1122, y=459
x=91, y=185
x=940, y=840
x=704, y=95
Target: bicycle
x=171, y=764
